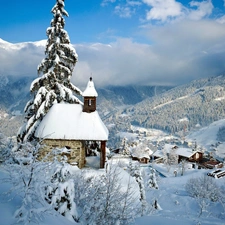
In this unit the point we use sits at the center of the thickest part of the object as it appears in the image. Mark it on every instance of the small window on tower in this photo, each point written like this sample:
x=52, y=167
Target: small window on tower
x=89, y=101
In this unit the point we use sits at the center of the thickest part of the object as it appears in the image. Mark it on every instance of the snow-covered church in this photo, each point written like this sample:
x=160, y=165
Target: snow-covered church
x=72, y=126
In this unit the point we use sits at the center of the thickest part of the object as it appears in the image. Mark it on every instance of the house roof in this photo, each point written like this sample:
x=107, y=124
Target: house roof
x=68, y=121
x=90, y=89
x=185, y=152
x=158, y=153
x=144, y=153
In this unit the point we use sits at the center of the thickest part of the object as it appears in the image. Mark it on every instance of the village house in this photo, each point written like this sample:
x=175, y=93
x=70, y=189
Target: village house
x=189, y=155
x=182, y=153
x=74, y=127
x=141, y=155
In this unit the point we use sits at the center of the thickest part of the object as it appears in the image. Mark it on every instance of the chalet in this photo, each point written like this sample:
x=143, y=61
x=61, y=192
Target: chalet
x=143, y=156
x=182, y=153
x=189, y=155
x=73, y=127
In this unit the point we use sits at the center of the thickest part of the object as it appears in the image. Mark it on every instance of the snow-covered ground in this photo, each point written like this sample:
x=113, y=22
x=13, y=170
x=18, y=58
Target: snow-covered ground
x=175, y=205
x=8, y=206
x=206, y=138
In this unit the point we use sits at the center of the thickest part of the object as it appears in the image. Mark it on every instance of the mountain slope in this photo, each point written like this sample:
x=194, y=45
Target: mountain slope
x=199, y=103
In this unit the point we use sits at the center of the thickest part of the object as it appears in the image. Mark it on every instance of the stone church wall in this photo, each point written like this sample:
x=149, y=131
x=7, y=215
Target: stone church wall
x=75, y=155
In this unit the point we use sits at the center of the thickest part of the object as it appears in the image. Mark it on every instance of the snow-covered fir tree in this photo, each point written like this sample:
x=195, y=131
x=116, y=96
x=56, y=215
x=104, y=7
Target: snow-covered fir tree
x=53, y=84
x=60, y=194
x=124, y=147
x=136, y=173
x=152, y=182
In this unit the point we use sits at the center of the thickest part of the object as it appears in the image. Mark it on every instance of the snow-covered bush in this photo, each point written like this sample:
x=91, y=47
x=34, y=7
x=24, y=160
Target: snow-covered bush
x=204, y=189
x=102, y=199
x=28, y=178
x=42, y=186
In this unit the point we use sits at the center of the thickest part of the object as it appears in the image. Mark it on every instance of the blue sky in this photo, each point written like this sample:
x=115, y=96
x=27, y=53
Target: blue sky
x=120, y=42
x=98, y=20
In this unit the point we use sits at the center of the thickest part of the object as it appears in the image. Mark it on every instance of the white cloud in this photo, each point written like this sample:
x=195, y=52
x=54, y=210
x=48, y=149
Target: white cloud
x=20, y=59
x=163, y=9
x=177, y=55
x=106, y=2
x=204, y=9
x=221, y=19
x=133, y=3
x=124, y=11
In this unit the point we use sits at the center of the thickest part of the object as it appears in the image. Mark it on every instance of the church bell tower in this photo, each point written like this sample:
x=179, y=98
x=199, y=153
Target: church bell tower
x=90, y=95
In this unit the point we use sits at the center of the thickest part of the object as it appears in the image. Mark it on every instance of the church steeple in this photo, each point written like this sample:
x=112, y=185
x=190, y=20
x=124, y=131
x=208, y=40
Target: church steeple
x=90, y=95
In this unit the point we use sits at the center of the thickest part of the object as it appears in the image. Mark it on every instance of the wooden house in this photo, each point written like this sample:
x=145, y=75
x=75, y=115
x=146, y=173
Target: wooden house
x=181, y=153
x=72, y=126
x=189, y=155
x=143, y=156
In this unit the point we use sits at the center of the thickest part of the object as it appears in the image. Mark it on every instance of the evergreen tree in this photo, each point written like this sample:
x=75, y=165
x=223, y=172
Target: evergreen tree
x=136, y=173
x=61, y=192
x=53, y=84
x=125, y=149
x=152, y=182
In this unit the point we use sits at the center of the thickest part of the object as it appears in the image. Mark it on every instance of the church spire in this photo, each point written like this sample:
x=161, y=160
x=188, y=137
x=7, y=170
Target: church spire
x=90, y=95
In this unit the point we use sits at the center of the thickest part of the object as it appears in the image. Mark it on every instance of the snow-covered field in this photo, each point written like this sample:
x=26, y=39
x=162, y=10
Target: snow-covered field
x=175, y=205
x=9, y=206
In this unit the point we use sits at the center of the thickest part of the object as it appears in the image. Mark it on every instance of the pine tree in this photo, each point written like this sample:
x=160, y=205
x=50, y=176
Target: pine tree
x=152, y=183
x=60, y=194
x=125, y=149
x=136, y=173
x=53, y=84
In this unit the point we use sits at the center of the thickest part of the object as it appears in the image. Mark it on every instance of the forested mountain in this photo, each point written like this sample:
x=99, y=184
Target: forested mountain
x=14, y=92
x=172, y=109
x=182, y=108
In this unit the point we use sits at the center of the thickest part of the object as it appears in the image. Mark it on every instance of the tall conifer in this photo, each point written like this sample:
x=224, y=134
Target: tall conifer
x=53, y=84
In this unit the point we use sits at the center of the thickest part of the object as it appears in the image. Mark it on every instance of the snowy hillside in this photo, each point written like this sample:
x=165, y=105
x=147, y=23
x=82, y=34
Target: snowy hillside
x=174, y=204
x=211, y=139
x=182, y=108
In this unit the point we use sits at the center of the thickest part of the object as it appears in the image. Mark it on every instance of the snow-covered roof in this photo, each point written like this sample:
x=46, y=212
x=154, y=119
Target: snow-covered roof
x=90, y=90
x=185, y=152
x=158, y=153
x=68, y=121
x=140, y=152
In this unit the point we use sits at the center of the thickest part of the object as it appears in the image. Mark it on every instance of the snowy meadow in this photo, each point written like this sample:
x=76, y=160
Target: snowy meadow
x=56, y=192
